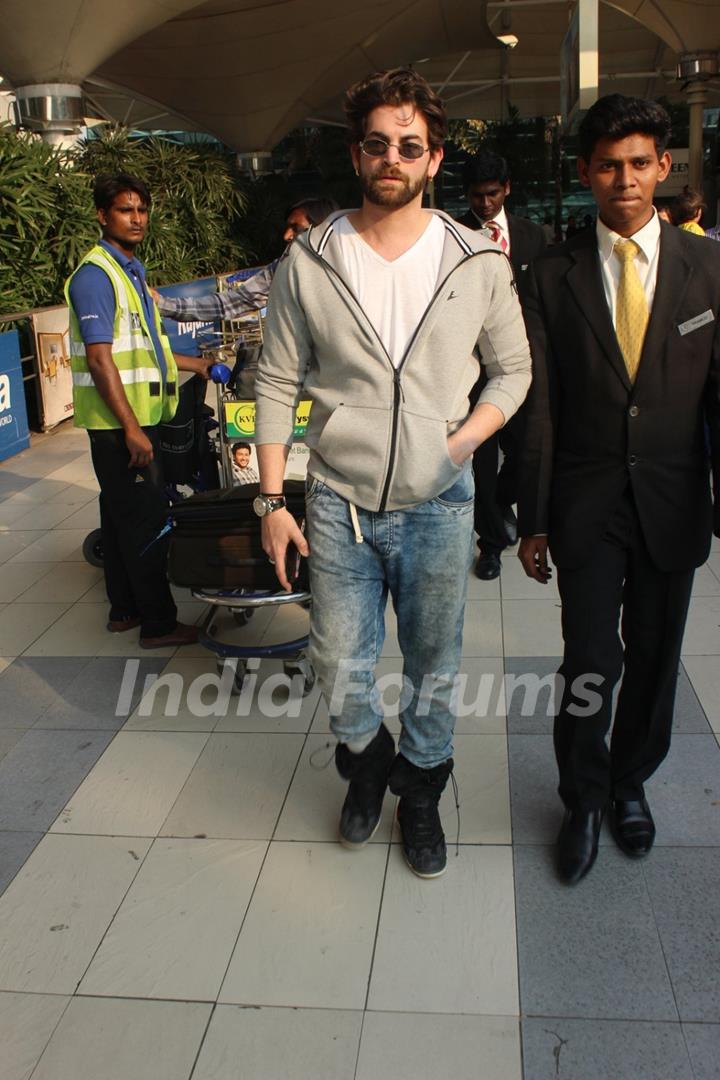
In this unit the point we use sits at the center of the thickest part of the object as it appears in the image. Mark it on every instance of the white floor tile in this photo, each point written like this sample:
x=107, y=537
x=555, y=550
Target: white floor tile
x=85, y=517
x=12, y=509
x=177, y=927
x=80, y=631
x=64, y=583
x=704, y=674
x=702, y=631
x=13, y=585
x=482, y=633
x=481, y=705
x=308, y=936
x=55, y=912
x=26, y=1023
x=237, y=787
x=44, y=490
x=182, y=699
x=15, y=543
x=57, y=545
x=516, y=585
x=131, y=789
x=101, y=1039
x=280, y=1044
x=23, y=624
x=43, y=516
x=482, y=590
x=481, y=772
x=705, y=582
x=312, y=809
x=411, y=1046
x=448, y=946
x=5, y=662
x=532, y=627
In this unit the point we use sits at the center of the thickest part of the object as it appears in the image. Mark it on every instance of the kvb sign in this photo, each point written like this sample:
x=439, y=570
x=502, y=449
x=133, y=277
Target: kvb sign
x=13, y=419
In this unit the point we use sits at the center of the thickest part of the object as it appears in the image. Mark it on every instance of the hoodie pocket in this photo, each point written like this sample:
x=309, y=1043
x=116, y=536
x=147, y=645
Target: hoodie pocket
x=355, y=443
x=424, y=467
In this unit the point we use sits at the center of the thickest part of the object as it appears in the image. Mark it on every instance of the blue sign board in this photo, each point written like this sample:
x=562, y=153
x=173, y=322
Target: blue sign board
x=185, y=337
x=14, y=435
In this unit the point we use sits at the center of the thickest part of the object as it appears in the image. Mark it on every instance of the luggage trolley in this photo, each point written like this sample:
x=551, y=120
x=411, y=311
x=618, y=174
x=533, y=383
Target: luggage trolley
x=236, y=416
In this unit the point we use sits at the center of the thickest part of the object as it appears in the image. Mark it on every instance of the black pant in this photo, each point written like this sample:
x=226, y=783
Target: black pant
x=494, y=491
x=133, y=510
x=654, y=605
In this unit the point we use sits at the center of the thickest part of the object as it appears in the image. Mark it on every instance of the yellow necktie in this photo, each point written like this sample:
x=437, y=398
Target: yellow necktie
x=631, y=313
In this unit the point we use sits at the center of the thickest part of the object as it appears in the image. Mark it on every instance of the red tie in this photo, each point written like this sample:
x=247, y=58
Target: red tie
x=496, y=234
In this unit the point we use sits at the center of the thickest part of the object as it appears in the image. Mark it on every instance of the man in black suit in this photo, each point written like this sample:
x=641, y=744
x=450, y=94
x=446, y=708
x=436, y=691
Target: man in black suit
x=623, y=325
x=487, y=185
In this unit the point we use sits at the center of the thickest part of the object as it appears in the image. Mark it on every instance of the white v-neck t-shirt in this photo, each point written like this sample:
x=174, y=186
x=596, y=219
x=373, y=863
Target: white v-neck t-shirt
x=393, y=295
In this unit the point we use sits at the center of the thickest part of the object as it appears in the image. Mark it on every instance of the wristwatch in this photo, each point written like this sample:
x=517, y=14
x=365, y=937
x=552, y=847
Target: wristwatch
x=265, y=504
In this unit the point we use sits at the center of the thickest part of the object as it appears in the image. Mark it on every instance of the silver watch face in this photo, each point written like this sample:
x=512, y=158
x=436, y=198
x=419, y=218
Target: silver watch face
x=260, y=505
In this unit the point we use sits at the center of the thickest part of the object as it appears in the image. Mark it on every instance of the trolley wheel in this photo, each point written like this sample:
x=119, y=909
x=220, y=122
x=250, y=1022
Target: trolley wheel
x=92, y=549
x=302, y=667
x=238, y=678
x=242, y=616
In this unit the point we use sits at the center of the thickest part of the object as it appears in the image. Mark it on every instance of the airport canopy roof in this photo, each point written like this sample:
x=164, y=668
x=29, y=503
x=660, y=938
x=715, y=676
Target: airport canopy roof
x=248, y=71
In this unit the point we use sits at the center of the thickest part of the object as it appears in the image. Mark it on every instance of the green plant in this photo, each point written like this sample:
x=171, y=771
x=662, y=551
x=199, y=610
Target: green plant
x=47, y=219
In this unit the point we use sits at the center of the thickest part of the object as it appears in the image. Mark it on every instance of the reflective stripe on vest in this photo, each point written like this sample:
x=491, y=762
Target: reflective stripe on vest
x=135, y=375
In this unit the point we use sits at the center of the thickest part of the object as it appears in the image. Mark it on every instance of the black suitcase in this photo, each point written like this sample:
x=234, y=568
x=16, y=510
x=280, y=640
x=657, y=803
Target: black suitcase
x=215, y=541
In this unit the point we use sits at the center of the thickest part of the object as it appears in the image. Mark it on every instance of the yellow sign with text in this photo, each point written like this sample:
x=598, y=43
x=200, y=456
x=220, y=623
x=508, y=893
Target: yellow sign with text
x=240, y=419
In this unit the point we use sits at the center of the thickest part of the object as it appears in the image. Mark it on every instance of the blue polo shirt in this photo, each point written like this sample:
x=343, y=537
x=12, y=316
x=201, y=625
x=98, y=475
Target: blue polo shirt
x=93, y=298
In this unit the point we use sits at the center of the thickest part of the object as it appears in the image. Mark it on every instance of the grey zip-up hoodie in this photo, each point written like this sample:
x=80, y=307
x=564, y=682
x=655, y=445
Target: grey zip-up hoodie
x=378, y=433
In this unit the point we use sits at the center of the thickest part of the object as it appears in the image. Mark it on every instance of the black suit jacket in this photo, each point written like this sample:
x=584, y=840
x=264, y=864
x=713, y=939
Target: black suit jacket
x=590, y=432
x=527, y=240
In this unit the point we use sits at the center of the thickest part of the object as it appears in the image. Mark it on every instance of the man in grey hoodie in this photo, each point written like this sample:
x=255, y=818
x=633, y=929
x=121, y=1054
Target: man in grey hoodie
x=379, y=316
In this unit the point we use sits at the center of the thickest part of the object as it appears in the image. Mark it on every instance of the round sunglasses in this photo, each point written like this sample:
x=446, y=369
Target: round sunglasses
x=409, y=151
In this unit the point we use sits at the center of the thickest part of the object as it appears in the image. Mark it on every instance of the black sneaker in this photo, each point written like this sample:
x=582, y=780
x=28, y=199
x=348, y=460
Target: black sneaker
x=423, y=839
x=368, y=775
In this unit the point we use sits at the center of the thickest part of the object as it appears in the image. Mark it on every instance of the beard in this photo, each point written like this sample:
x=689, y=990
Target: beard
x=393, y=195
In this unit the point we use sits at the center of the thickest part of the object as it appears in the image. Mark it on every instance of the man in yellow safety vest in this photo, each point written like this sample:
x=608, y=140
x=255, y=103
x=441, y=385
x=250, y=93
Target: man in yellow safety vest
x=125, y=383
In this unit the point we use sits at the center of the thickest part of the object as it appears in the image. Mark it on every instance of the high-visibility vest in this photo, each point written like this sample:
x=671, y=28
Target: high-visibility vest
x=132, y=351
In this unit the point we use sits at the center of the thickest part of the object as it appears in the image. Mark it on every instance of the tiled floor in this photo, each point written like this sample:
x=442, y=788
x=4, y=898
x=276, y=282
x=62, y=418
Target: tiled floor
x=176, y=905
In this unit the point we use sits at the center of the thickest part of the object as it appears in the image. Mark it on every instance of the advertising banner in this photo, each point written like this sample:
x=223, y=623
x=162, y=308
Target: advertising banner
x=14, y=435
x=187, y=337
x=52, y=352
x=239, y=426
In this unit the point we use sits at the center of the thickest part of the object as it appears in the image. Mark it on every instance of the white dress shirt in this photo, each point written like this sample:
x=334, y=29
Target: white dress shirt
x=646, y=261
x=502, y=223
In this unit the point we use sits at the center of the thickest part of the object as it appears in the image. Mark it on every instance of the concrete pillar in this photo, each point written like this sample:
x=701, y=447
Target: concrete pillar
x=696, y=68
x=696, y=94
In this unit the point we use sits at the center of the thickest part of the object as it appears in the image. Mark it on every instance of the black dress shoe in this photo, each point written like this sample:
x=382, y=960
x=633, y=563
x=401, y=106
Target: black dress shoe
x=632, y=826
x=488, y=567
x=577, y=844
x=510, y=523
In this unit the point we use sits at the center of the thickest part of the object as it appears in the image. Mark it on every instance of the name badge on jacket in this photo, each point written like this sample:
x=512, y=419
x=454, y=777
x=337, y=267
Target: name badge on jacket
x=696, y=323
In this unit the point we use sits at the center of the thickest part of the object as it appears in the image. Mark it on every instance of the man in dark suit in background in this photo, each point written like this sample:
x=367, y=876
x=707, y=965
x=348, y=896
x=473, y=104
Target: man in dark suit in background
x=487, y=185
x=623, y=325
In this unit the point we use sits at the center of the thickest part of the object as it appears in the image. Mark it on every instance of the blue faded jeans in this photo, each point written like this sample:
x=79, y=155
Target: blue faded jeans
x=421, y=557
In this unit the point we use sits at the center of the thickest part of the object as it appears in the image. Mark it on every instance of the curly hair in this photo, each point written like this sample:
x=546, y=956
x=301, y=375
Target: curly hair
x=398, y=86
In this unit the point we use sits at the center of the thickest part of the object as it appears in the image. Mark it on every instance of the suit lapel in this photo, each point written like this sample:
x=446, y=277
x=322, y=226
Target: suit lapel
x=585, y=282
x=673, y=277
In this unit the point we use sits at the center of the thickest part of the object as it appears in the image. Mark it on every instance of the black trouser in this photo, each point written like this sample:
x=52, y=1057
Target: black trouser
x=494, y=491
x=133, y=510
x=620, y=576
